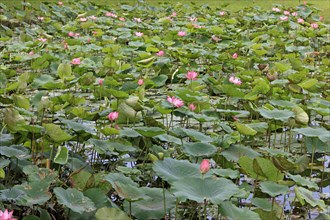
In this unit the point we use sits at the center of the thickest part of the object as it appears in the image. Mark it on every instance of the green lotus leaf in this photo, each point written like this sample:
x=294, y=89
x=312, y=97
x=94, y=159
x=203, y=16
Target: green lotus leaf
x=232, y=212
x=171, y=169
x=102, y=146
x=265, y=168
x=77, y=127
x=62, y=155
x=14, y=151
x=153, y=207
x=168, y=138
x=56, y=133
x=302, y=181
x=234, y=152
x=245, y=129
x=197, y=189
x=314, y=144
x=110, y=213
x=74, y=200
x=263, y=203
x=98, y=197
x=319, y=132
x=193, y=134
x=64, y=71
x=150, y=131
x=305, y=196
x=198, y=149
x=274, y=189
x=227, y=173
x=276, y=114
x=129, y=132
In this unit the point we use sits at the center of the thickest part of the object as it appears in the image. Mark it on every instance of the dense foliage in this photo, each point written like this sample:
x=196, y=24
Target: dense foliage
x=173, y=111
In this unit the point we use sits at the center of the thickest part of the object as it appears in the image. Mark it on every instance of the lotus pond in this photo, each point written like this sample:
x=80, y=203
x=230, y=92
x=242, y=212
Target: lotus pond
x=167, y=112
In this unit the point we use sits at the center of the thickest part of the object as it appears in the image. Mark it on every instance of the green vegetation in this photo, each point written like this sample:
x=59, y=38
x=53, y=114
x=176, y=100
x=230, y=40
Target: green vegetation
x=323, y=5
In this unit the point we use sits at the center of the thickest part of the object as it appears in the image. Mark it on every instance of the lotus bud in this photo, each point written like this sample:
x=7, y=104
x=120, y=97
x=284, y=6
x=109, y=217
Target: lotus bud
x=205, y=166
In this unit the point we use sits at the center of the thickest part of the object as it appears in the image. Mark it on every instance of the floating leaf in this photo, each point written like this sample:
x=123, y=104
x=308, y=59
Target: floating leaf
x=302, y=181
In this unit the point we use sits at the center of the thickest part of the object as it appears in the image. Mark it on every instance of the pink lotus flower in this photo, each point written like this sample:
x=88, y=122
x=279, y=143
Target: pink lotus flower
x=83, y=19
x=314, y=25
x=300, y=20
x=41, y=39
x=41, y=18
x=192, y=107
x=286, y=13
x=181, y=33
x=71, y=34
x=215, y=38
x=191, y=75
x=305, y=2
x=294, y=14
x=138, y=34
x=235, y=80
x=192, y=19
x=66, y=46
x=75, y=61
x=76, y=34
x=140, y=82
x=100, y=82
x=31, y=53
x=234, y=56
x=60, y=3
x=6, y=215
x=222, y=13
x=110, y=14
x=92, y=17
x=175, y=101
x=321, y=18
x=276, y=9
x=205, y=166
x=113, y=116
x=173, y=14
x=138, y=20
x=160, y=53
x=122, y=19
x=284, y=18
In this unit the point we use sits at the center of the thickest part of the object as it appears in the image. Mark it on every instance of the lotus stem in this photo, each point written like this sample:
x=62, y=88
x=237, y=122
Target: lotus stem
x=164, y=199
x=176, y=208
x=205, y=203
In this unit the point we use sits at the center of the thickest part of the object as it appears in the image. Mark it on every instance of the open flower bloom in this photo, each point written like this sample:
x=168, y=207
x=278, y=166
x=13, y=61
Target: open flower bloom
x=160, y=53
x=286, y=12
x=6, y=215
x=192, y=107
x=294, y=14
x=191, y=75
x=139, y=34
x=140, y=82
x=60, y=3
x=276, y=9
x=205, y=166
x=41, y=39
x=314, y=25
x=175, y=101
x=113, y=116
x=138, y=20
x=284, y=18
x=110, y=14
x=75, y=61
x=300, y=20
x=235, y=80
x=83, y=19
x=221, y=13
x=181, y=33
